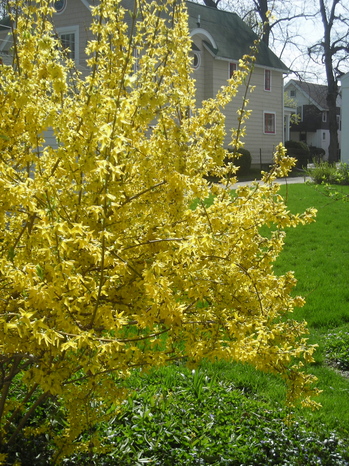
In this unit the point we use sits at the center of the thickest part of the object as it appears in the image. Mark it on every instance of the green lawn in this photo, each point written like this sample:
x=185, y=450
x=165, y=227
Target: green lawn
x=319, y=255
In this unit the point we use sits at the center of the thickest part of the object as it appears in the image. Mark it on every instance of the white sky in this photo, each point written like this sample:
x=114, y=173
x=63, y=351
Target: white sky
x=292, y=39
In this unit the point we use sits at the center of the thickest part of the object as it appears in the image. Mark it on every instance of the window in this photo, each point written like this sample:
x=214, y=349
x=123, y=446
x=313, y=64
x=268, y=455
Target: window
x=232, y=69
x=324, y=117
x=59, y=6
x=69, y=37
x=324, y=136
x=196, y=59
x=267, y=80
x=185, y=115
x=68, y=44
x=195, y=55
x=293, y=93
x=300, y=112
x=269, y=123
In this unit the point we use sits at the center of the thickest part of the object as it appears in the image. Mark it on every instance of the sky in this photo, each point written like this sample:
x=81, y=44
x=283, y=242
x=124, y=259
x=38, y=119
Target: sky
x=291, y=39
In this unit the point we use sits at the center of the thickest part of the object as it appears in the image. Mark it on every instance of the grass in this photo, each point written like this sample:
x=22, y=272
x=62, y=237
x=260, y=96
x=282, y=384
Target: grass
x=319, y=255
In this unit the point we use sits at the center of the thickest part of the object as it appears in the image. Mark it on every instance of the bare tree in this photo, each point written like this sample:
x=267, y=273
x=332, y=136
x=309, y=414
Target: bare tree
x=332, y=51
x=268, y=14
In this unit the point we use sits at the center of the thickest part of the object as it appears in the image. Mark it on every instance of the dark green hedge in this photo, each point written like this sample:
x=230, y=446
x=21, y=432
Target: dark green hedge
x=243, y=161
x=300, y=151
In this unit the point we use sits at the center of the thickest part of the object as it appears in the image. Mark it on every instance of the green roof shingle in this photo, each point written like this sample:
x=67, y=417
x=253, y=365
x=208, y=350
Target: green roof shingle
x=232, y=35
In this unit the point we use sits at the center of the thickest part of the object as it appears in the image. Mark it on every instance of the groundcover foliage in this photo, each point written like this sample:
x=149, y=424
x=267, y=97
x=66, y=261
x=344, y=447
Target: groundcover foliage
x=337, y=348
x=192, y=417
x=177, y=416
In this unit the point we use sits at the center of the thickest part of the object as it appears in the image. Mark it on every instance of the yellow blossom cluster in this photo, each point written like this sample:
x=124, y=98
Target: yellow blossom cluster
x=105, y=265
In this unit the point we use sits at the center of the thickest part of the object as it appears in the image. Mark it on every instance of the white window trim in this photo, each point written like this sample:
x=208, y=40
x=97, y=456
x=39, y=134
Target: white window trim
x=324, y=117
x=268, y=132
x=270, y=80
x=71, y=30
x=198, y=56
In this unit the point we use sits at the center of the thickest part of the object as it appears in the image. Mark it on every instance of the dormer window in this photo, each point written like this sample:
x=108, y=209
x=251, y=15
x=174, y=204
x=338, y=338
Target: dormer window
x=60, y=5
x=196, y=60
x=196, y=56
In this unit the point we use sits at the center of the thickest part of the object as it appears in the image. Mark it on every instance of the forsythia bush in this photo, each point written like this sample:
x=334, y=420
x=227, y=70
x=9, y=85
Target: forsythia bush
x=106, y=265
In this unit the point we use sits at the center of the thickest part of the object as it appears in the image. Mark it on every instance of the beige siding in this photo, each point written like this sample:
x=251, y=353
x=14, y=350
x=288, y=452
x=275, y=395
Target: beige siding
x=204, y=74
x=261, y=145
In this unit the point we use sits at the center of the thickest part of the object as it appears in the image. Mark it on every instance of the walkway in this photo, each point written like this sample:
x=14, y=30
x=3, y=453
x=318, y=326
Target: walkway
x=292, y=180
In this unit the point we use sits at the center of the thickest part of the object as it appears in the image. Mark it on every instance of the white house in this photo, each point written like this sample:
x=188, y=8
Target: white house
x=312, y=109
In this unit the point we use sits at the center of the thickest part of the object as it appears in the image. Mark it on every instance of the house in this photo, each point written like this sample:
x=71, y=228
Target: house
x=219, y=39
x=312, y=109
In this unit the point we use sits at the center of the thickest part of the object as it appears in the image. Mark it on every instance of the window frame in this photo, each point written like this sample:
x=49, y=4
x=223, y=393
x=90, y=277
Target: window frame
x=265, y=126
x=267, y=80
x=71, y=30
x=196, y=55
x=232, y=68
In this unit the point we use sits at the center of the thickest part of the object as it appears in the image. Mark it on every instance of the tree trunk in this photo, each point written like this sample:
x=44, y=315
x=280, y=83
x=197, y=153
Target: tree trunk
x=262, y=9
x=332, y=85
x=333, y=125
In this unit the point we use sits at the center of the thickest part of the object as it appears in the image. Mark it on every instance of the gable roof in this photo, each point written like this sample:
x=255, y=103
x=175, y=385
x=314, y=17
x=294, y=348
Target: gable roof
x=232, y=36
x=316, y=93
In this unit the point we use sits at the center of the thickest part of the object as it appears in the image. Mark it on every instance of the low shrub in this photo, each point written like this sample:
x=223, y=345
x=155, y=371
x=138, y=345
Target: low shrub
x=300, y=151
x=316, y=154
x=328, y=173
x=337, y=349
